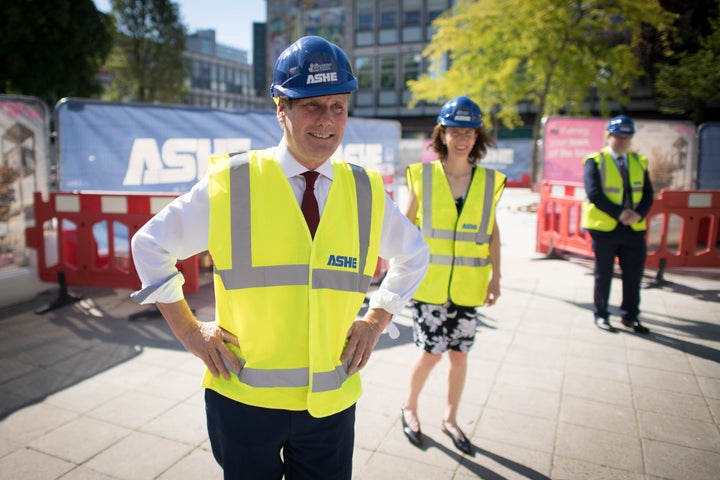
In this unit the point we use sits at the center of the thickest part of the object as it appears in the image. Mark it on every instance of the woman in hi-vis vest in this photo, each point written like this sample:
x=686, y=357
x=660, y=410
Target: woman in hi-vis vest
x=453, y=201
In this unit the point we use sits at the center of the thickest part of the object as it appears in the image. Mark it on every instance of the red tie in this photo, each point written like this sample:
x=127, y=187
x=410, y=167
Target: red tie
x=309, y=202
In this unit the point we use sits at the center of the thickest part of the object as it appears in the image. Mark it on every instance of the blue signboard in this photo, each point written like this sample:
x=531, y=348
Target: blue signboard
x=708, y=173
x=159, y=148
x=511, y=157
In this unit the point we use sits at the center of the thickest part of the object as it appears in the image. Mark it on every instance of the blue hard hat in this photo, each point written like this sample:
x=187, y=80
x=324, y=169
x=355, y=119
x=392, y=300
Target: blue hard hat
x=460, y=112
x=620, y=125
x=310, y=67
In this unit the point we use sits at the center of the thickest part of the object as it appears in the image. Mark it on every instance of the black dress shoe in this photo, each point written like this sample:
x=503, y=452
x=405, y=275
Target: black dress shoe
x=415, y=436
x=462, y=444
x=604, y=324
x=635, y=324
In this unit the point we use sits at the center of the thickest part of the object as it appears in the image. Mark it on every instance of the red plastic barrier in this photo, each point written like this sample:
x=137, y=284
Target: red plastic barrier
x=684, y=229
x=524, y=181
x=84, y=238
x=558, y=220
x=683, y=226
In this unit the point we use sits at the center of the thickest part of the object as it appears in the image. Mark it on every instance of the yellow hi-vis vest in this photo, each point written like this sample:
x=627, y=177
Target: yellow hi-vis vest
x=612, y=184
x=290, y=300
x=460, y=266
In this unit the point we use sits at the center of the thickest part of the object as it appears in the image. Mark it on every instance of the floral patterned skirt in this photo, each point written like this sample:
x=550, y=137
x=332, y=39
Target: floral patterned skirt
x=439, y=328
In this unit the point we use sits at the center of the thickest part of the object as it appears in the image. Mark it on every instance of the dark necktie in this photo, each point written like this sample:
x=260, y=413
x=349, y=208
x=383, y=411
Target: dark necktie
x=622, y=165
x=309, y=204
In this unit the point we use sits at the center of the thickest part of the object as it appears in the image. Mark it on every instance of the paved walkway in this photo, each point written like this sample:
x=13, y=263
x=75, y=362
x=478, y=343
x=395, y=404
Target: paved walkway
x=87, y=394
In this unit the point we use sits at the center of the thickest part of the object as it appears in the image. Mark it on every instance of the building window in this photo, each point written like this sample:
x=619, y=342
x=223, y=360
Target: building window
x=412, y=21
x=411, y=67
x=365, y=23
x=387, y=72
x=388, y=14
x=202, y=80
x=364, y=72
x=206, y=46
x=412, y=13
x=388, y=22
x=365, y=15
x=435, y=9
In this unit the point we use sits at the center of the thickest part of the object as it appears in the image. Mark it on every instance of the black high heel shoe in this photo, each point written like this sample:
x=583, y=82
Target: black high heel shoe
x=462, y=444
x=414, y=436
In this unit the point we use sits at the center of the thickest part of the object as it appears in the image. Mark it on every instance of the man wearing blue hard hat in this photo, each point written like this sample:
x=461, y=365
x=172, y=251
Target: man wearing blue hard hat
x=619, y=197
x=295, y=235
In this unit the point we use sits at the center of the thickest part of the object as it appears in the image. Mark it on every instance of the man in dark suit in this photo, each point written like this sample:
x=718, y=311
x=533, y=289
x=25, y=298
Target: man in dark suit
x=619, y=197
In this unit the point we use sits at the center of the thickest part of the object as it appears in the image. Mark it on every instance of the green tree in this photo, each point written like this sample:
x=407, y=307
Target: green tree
x=549, y=53
x=53, y=49
x=694, y=81
x=147, y=61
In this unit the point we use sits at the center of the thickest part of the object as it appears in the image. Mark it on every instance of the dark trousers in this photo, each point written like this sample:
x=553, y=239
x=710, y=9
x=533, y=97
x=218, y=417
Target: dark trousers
x=265, y=444
x=630, y=249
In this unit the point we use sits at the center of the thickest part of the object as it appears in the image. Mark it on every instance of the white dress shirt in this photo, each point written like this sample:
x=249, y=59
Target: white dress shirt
x=180, y=231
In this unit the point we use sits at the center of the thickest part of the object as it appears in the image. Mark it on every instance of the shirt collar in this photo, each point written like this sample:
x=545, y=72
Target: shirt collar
x=292, y=168
x=612, y=153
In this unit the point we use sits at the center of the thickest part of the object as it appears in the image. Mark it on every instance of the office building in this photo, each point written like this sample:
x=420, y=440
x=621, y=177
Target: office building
x=220, y=75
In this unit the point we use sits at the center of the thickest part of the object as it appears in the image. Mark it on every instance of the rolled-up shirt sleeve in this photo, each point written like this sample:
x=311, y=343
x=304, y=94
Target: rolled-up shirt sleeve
x=177, y=232
x=402, y=244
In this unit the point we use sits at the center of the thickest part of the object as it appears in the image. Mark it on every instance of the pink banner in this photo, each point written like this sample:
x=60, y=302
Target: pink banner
x=567, y=140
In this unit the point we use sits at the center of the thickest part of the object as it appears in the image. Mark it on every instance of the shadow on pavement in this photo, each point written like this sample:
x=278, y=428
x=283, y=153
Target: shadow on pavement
x=471, y=463
x=43, y=354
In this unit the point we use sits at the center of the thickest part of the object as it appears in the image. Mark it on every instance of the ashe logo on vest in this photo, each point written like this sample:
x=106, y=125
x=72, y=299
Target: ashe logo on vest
x=342, y=261
x=469, y=226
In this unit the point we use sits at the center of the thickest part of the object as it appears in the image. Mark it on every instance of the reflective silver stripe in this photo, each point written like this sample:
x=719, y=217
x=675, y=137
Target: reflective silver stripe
x=436, y=259
x=603, y=175
x=441, y=233
x=466, y=236
x=427, y=192
x=482, y=235
x=328, y=381
x=427, y=230
x=471, y=261
x=343, y=281
x=459, y=261
x=244, y=275
x=290, y=377
x=280, y=377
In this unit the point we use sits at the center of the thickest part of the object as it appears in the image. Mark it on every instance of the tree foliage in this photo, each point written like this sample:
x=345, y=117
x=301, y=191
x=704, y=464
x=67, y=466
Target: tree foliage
x=549, y=53
x=147, y=61
x=52, y=49
x=693, y=81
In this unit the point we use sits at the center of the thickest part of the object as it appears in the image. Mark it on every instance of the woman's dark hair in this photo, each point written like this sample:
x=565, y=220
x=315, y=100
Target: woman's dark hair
x=478, y=151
